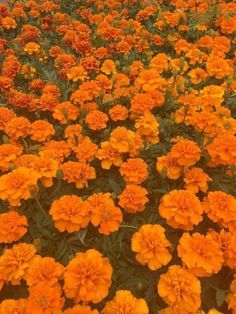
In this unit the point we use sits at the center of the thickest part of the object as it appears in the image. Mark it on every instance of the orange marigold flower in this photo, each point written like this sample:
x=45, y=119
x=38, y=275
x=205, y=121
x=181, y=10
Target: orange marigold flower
x=201, y=254
x=5, y=116
x=88, y=277
x=124, y=302
x=126, y=141
x=85, y=151
x=186, y=152
x=197, y=75
x=8, y=23
x=77, y=73
x=168, y=165
x=65, y=111
x=46, y=168
x=96, y=120
x=218, y=67
x=13, y=306
x=196, y=179
x=41, y=131
x=118, y=113
x=149, y=80
x=148, y=128
x=44, y=270
x=8, y=153
x=151, y=245
x=221, y=208
x=58, y=150
x=44, y=299
x=179, y=288
x=133, y=198
x=109, y=155
x=223, y=150
x=70, y=213
x=78, y=172
x=80, y=309
x=32, y=48
x=13, y=227
x=104, y=213
x=134, y=170
x=108, y=67
x=14, y=262
x=181, y=209
x=18, y=127
x=17, y=185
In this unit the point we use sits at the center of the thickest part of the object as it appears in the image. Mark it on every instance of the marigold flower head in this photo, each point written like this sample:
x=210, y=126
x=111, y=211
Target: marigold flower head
x=80, y=309
x=13, y=227
x=179, y=287
x=18, y=127
x=85, y=151
x=8, y=23
x=77, y=73
x=14, y=262
x=65, y=111
x=221, y=208
x=44, y=270
x=196, y=180
x=6, y=115
x=88, y=277
x=108, y=67
x=96, y=120
x=31, y=48
x=16, y=186
x=181, y=209
x=118, y=113
x=104, y=213
x=126, y=141
x=124, y=302
x=223, y=150
x=70, y=213
x=44, y=299
x=148, y=128
x=151, y=246
x=10, y=306
x=133, y=198
x=41, y=131
x=109, y=155
x=8, y=154
x=186, y=152
x=58, y=150
x=168, y=165
x=218, y=67
x=46, y=168
x=78, y=173
x=134, y=171
x=201, y=254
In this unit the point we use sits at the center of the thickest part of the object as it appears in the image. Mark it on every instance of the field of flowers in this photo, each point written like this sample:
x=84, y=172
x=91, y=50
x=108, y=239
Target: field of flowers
x=118, y=157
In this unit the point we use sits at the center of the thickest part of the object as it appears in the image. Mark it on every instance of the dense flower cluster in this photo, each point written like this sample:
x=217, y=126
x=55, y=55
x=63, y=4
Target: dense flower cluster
x=118, y=157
